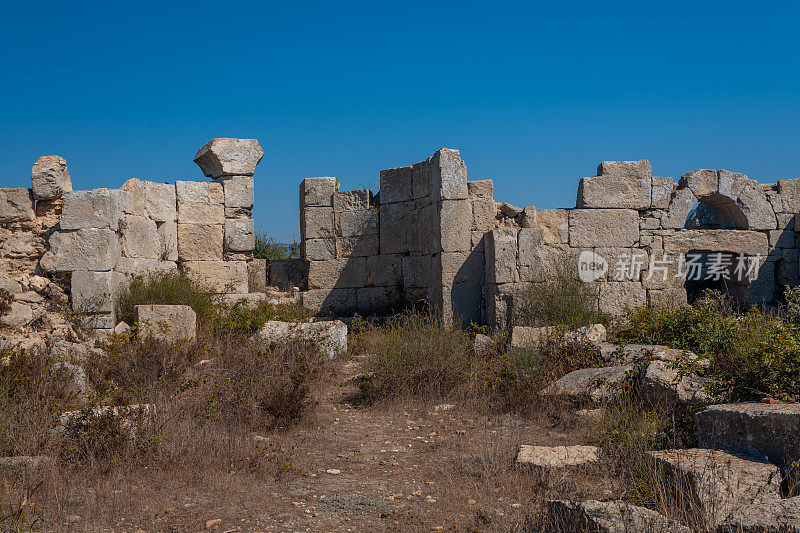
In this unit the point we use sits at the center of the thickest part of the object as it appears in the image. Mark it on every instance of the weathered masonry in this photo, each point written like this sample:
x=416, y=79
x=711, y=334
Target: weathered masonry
x=98, y=240
x=430, y=236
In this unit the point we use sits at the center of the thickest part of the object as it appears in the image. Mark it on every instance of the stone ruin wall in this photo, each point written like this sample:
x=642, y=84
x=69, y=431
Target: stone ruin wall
x=430, y=236
x=98, y=240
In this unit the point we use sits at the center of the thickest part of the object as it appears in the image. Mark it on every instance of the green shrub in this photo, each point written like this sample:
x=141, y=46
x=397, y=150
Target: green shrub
x=240, y=318
x=752, y=354
x=267, y=247
x=564, y=300
x=167, y=289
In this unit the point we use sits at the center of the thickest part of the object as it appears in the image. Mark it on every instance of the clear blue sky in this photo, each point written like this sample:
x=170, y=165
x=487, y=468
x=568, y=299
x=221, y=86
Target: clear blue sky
x=533, y=94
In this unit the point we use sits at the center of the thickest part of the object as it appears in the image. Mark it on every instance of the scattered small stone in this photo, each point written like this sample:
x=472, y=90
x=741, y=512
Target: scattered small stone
x=333, y=471
x=213, y=523
x=443, y=407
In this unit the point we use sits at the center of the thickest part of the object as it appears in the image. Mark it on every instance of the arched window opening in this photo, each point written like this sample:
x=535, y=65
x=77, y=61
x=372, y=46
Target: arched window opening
x=716, y=212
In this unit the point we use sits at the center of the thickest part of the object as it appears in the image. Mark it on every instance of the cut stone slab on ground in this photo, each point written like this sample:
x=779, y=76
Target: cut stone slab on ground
x=557, y=456
x=595, y=384
x=608, y=517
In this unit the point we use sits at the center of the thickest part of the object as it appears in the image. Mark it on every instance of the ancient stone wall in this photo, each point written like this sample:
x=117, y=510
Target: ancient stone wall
x=442, y=240
x=98, y=240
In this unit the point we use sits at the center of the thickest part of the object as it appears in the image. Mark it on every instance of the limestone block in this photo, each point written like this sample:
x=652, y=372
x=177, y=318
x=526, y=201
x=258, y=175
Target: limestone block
x=703, y=183
x=200, y=242
x=787, y=270
x=362, y=222
x=554, y=223
x=718, y=483
x=396, y=185
x=18, y=315
x=616, y=297
x=722, y=240
x=529, y=336
x=462, y=268
x=318, y=191
x=200, y=192
x=16, y=205
x=166, y=323
x=384, y=271
x=373, y=300
x=455, y=221
x=257, y=276
x=608, y=227
x=238, y=191
x=358, y=246
x=200, y=213
x=625, y=264
x=462, y=305
x=610, y=517
x=395, y=220
x=483, y=214
x=762, y=289
x=288, y=273
x=422, y=180
x=543, y=263
x=99, y=321
x=789, y=190
x=229, y=157
x=85, y=249
x=360, y=200
x=663, y=384
x=731, y=183
x=423, y=232
x=50, y=178
x=330, y=302
x=140, y=238
x=619, y=184
x=168, y=238
x=145, y=267
x=780, y=238
x=98, y=208
x=337, y=273
x=557, y=456
x=661, y=192
x=95, y=292
x=501, y=256
x=316, y=223
x=319, y=249
x=157, y=201
x=679, y=208
x=218, y=277
x=528, y=243
x=420, y=271
x=240, y=235
x=786, y=221
x=480, y=189
x=450, y=175
x=773, y=514
x=329, y=336
x=595, y=384
x=756, y=208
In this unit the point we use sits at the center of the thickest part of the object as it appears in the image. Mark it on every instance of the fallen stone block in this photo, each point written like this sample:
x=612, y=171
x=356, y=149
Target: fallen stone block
x=764, y=430
x=595, y=384
x=16, y=205
x=662, y=382
x=608, y=517
x=21, y=463
x=249, y=300
x=771, y=516
x=529, y=336
x=329, y=336
x=714, y=483
x=166, y=323
x=482, y=344
x=593, y=333
x=18, y=315
x=557, y=456
x=75, y=423
x=229, y=157
x=72, y=380
x=50, y=178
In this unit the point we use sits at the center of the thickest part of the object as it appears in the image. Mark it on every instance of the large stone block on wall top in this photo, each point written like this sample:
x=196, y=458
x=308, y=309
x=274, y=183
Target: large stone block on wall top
x=661, y=192
x=218, y=277
x=156, y=201
x=603, y=227
x=619, y=184
x=703, y=182
x=98, y=208
x=229, y=157
x=95, y=292
x=789, y=190
x=318, y=191
x=554, y=224
x=200, y=242
x=240, y=235
x=85, y=249
x=341, y=273
x=395, y=185
x=16, y=205
x=316, y=223
x=450, y=175
x=359, y=200
x=140, y=238
x=200, y=192
x=480, y=189
x=50, y=178
x=238, y=191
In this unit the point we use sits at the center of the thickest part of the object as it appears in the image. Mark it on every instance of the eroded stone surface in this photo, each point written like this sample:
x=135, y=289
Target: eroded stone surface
x=609, y=517
x=167, y=323
x=557, y=456
x=329, y=336
x=596, y=384
x=229, y=157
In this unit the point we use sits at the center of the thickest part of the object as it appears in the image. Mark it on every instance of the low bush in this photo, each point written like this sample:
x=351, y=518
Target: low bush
x=167, y=289
x=269, y=248
x=752, y=354
x=241, y=318
x=564, y=300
